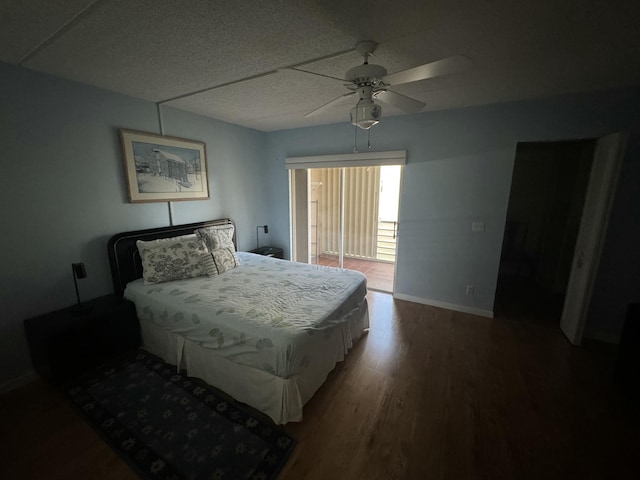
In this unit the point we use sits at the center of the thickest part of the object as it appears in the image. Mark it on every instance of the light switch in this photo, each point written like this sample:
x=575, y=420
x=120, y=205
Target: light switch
x=477, y=227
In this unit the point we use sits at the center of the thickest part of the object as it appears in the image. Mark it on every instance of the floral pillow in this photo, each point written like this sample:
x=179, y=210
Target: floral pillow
x=217, y=236
x=173, y=258
x=220, y=260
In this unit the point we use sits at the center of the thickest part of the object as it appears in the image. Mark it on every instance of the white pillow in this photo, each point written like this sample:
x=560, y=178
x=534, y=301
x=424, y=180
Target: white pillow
x=173, y=258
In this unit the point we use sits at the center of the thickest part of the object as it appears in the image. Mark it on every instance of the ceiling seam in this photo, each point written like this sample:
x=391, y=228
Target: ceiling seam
x=259, y=75
x=54, y=36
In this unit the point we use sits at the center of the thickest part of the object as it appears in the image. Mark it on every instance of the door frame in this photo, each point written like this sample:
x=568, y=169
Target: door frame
x=299, y=181
x=603, y=180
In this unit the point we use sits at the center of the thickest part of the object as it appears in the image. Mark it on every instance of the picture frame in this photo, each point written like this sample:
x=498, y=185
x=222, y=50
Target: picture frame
x=160, y=168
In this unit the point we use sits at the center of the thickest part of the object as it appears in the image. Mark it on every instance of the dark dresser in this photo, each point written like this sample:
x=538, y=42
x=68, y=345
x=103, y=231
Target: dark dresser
x=274, y=252
x=67, y=342
x=628, y=361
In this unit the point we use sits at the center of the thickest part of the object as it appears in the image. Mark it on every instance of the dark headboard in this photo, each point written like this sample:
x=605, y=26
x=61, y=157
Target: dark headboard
x=124, y=257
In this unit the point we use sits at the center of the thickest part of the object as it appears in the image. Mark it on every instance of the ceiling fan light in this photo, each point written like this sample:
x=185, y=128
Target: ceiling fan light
x=366, y=115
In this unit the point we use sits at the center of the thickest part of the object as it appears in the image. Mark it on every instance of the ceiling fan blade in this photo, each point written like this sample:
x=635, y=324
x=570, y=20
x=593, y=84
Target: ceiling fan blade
x=445, y=66
x=298, y=70
x=407, y=104
x=330, y=104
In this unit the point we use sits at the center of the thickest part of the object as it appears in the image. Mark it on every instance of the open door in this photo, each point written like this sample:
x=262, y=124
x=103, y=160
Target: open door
x=605, y=169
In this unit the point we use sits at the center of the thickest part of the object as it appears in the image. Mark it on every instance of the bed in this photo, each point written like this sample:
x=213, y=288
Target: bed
x=265, y=331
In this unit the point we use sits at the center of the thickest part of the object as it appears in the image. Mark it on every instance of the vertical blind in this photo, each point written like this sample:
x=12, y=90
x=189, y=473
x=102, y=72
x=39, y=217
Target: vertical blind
x=362, y=185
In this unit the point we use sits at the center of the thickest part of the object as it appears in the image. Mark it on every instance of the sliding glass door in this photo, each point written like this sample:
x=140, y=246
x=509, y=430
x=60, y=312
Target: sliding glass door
x=347, y=216
x=352, y=221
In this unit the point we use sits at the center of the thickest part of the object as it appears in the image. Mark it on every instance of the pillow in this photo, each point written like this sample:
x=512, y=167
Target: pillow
x=173, y=258
x=220, y=260
x=217, y=236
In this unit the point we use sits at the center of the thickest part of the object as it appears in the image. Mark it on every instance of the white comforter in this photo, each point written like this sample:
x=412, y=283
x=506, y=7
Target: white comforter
x=266, y=313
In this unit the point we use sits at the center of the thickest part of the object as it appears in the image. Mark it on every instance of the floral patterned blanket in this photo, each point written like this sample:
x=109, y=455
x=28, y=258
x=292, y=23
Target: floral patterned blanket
x=266, y=313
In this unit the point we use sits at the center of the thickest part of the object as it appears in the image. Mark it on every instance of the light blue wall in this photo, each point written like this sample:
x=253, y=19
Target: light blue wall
x=458, y=170
x=63, y=191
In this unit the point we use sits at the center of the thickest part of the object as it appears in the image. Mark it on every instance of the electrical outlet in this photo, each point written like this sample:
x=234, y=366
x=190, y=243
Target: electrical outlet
x=79, y=270
x=471, y=289
x=477, y=227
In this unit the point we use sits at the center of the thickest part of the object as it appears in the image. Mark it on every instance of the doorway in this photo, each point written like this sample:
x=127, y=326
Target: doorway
x=548, y=192
x=353, y=220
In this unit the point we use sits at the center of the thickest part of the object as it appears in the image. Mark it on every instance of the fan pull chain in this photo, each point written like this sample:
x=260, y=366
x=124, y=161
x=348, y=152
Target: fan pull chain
x=355, y=139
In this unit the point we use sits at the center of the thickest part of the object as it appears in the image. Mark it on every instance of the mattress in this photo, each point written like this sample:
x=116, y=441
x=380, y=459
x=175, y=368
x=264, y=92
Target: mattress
x=268, y=314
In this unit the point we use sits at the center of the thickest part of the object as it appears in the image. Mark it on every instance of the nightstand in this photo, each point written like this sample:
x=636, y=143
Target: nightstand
x=68, y=342
x=274, y=252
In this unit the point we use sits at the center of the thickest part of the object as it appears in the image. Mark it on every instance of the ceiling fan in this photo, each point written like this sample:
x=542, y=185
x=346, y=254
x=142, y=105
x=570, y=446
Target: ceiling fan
x=369, y=81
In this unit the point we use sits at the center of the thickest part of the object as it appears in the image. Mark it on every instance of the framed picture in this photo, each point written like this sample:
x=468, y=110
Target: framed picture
x=164, y=169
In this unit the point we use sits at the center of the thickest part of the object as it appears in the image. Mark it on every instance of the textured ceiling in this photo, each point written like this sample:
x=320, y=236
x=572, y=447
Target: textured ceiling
x=160, y=50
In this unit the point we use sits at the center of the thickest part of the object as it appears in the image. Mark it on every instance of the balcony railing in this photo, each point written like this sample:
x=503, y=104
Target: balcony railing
x=386, y=244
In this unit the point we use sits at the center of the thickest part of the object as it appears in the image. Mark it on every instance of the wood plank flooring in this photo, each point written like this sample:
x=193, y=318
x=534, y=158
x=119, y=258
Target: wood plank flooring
x=427, y=394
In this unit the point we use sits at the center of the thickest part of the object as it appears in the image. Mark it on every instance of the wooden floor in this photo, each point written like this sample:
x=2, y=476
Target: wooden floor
x=379, y=274
x=427, y=394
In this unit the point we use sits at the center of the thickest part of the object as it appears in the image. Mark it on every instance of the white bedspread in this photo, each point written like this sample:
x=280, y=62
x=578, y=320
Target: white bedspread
x=269, y=314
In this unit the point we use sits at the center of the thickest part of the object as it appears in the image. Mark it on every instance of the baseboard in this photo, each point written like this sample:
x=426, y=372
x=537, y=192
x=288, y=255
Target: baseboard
x=448, y=306
x=30, y=376
x=605, y=337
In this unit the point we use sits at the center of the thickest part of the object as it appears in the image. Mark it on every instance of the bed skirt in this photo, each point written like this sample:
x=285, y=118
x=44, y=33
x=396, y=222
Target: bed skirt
x=281, y=399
